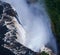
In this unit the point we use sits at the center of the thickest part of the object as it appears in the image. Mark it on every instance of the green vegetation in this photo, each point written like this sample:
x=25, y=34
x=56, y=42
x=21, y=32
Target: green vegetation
x=43, y=53
x=53, y=7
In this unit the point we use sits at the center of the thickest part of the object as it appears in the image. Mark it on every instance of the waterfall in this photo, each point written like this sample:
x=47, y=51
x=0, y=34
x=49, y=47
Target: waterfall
x=36, y=23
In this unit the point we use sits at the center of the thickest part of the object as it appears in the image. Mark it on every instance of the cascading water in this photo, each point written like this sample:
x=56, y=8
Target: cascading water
x=36, y=23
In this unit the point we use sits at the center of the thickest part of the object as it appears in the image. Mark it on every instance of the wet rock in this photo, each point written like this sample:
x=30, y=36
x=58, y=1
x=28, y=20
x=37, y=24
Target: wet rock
x=8, y=33
x=47, y=51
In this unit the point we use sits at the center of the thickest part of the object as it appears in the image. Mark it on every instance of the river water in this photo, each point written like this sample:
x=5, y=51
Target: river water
x=36, y=23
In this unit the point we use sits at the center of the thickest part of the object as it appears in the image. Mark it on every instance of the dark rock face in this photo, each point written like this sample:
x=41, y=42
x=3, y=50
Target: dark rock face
x=8, y=43
x=3, y=30
x=1, y=9
x=4, y=51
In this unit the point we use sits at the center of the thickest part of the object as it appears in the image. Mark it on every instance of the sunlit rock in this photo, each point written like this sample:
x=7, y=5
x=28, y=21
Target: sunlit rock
x=47, y=50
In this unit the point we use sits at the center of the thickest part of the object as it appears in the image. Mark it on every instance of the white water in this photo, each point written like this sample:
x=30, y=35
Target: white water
x=36, y=23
